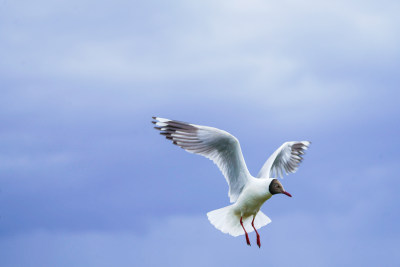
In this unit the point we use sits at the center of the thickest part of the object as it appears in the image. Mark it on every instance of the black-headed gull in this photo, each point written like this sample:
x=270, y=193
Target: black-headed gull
x=247, y=193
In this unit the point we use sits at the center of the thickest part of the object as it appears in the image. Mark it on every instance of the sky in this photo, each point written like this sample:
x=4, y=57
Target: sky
x=85, y=180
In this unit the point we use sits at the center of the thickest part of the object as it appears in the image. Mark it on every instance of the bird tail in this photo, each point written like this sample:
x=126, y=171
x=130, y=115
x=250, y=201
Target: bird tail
x=228, y=222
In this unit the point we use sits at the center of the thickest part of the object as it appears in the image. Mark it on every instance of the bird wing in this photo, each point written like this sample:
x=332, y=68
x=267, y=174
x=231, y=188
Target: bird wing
x=285, y=159
x=219, y=146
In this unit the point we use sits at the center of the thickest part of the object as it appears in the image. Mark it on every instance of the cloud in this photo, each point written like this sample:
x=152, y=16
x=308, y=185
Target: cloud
x=193, y=40
x=291, y=60
x=83, y=172
x=191, y=240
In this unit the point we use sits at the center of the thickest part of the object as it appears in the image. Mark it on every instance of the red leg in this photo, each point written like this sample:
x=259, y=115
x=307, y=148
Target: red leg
x=247, y=236
x=258, y=236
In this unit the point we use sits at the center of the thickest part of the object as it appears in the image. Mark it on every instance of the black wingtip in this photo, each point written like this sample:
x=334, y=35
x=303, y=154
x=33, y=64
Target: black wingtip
x=157, y=128
x=153, y=122
x=154, y=117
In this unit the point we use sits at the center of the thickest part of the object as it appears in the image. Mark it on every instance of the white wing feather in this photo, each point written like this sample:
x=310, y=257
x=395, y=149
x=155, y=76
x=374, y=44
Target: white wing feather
x=219, y=146
x=285, y=159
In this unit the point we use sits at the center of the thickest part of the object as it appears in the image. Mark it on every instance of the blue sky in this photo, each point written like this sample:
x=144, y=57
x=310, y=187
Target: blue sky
x=86, y=181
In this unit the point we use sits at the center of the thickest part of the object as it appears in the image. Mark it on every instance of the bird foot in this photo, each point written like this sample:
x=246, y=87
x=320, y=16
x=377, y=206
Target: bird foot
x=258, y=241
x=248, y=240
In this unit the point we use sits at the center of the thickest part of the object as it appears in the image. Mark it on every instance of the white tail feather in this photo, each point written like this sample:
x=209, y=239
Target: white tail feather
x=228, y=222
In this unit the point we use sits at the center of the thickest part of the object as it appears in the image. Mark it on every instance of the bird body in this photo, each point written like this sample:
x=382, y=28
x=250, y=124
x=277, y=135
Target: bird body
x=247, y=193
x=246, y=207
x=253, y=197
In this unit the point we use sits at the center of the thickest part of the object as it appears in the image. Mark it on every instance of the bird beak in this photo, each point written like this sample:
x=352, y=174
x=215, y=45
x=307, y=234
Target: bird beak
x=287, y=193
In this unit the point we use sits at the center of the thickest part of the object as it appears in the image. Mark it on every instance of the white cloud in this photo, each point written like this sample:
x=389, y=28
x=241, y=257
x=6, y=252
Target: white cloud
x=83, y=67
x=192, y=241
x=201, y=39
x=291, y=58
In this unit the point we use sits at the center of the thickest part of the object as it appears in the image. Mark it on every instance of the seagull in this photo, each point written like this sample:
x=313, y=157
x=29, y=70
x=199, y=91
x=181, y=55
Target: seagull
x=247, y=193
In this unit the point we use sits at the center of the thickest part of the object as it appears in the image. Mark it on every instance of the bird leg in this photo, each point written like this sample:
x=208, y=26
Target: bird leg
x=247, y=236
x=258, y=236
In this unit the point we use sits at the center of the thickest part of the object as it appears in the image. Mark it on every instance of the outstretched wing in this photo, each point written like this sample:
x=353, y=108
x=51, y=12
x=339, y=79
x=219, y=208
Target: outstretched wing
x=219, y=146
x=285, y=159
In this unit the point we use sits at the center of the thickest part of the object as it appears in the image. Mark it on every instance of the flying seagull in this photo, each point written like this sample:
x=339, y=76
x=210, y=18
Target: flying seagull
x=247, y=193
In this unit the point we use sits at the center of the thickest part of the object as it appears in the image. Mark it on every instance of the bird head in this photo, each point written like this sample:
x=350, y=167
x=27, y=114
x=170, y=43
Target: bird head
x=275, y=187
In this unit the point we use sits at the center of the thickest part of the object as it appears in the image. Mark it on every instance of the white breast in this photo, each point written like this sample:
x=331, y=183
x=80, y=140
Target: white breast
x=252, y=197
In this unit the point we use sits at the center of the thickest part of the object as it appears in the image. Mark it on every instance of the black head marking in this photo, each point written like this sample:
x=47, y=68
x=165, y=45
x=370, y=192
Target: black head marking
x=275, y=187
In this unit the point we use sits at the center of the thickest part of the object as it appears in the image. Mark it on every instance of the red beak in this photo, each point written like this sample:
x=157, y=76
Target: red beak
x=287, y=193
